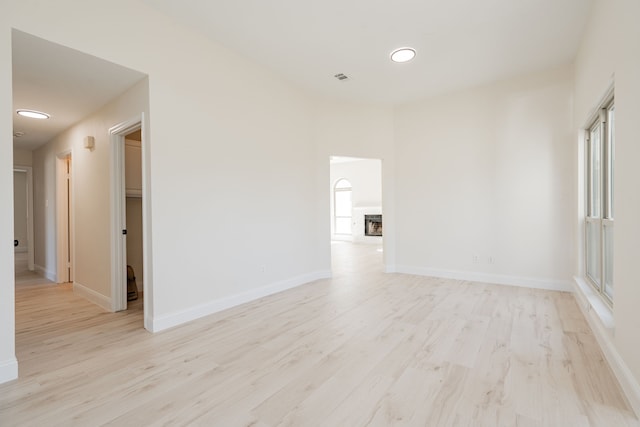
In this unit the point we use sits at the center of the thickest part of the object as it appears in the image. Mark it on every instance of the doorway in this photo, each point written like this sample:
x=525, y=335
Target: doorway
x=356, y=212
x=129, y=216
x=23, y=215
x=133, y=216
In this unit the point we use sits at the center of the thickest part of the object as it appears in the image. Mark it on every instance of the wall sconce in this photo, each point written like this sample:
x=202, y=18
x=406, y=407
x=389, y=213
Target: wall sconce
x=89, y=142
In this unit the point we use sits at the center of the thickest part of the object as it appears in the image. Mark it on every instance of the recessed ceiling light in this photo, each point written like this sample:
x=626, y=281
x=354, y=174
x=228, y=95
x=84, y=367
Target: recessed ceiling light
x=403, y=54
x=33, y=114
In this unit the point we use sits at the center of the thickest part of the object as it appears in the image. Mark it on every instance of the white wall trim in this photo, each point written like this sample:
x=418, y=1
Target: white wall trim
x=600, y=319
x=93, y=296
x=118, y=196
x=49, y=275
x=65, y=238
x=179, y=317
x=499, y=279
x=118, y=214
x=390, y=269
x=589, y=300
x=8, y=370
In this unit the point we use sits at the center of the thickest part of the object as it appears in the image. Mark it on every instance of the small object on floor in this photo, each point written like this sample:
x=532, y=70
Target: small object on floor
x=132, y=288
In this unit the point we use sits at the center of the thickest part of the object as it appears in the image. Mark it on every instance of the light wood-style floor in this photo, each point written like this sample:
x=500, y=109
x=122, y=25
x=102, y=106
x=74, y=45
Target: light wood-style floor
x=362, y=349
x=24, y=277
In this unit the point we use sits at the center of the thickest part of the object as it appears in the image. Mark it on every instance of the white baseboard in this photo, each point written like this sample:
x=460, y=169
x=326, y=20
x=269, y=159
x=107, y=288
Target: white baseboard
x=589, y=301
x=600, y=319
x=498, y=279
x=93, y=296
x=161, y=323
x=49, y=275
x=8, y=370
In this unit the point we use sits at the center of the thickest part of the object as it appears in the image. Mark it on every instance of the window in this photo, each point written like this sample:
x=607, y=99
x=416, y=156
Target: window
x=600, y=149
x=342, y=207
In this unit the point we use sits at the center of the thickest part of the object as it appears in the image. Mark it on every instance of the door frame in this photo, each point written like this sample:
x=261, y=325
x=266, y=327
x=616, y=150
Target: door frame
x=117, y=135
x=388, y=239
x=64, y=219
x=30, y=243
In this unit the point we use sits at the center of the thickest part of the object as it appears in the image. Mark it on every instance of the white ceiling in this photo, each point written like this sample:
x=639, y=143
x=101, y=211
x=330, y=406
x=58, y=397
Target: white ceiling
x=67, y=84
x=460, y=43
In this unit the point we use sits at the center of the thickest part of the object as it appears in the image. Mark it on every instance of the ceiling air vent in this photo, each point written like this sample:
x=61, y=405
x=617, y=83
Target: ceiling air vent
x=341, y=76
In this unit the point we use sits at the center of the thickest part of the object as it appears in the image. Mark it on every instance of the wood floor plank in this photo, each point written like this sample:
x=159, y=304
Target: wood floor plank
x=362, y=349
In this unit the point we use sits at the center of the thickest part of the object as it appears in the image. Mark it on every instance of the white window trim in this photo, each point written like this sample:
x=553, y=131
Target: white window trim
x=605, y=219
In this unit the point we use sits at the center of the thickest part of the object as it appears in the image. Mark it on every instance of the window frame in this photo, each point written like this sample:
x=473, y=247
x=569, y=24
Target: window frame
x=602, y=218
x=336, y=190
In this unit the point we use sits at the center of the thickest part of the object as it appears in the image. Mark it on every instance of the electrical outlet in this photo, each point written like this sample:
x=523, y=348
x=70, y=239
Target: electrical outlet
x=476, y=259
x=490, y=260
x=263, y=268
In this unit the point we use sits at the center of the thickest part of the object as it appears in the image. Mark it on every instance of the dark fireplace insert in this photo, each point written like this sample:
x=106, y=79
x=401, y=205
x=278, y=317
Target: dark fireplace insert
x=373, y=225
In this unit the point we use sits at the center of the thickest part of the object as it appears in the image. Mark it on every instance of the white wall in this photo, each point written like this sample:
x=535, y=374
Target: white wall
x=22, y=157
x=484, y=183
x=609, y=53
x=365, y=176
x=8, y=362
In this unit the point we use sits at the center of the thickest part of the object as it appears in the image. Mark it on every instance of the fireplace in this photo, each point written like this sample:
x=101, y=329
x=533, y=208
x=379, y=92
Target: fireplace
x=373, y=225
